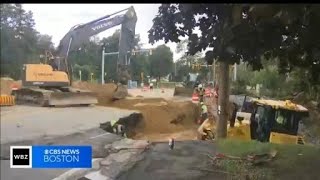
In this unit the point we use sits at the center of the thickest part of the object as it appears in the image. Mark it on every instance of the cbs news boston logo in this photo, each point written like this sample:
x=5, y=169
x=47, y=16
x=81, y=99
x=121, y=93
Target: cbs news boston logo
x=50, y=156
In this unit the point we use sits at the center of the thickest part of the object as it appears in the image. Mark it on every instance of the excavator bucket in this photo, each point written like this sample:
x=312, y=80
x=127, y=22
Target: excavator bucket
x=121, y=92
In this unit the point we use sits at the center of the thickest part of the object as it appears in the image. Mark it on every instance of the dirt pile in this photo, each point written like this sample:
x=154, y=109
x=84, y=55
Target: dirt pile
x=162, y=119
x=7, y=83
x=104, y=92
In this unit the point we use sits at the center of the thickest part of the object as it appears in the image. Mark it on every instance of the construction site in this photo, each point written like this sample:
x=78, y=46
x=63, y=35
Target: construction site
x=164, y=115
x=148, y=115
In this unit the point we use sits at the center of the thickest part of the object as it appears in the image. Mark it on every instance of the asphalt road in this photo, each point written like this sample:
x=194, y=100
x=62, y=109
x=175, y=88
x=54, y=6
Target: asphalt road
x=97, y=138
x=187, y=161
x=21, y=123
x=25, y=125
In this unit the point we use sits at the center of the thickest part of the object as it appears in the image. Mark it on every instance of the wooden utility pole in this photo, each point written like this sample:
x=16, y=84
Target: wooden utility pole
x=223, y=99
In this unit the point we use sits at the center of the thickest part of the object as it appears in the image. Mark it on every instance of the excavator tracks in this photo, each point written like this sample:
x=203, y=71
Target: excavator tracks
x=54, y=97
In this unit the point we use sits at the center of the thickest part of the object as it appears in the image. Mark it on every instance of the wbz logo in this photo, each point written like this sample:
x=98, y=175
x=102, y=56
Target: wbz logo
x=20, y=156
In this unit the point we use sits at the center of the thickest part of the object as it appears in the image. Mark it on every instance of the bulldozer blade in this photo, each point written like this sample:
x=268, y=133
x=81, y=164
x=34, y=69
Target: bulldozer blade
x=72, y=98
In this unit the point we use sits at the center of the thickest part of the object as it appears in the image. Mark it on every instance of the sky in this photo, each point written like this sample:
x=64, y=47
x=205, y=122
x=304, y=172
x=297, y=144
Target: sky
x=57, y=19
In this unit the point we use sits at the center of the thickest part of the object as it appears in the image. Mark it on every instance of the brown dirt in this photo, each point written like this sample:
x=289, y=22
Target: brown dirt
x=6, y=85
x=104, y=92
x=158, y=113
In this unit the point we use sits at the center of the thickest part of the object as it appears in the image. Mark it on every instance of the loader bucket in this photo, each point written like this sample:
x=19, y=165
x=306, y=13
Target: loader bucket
x=72, y=98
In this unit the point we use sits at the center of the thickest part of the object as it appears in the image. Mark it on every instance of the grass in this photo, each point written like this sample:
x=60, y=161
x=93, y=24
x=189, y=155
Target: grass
x=292, y=161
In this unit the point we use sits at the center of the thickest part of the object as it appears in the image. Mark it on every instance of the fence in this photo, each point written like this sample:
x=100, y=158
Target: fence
x=132, y=84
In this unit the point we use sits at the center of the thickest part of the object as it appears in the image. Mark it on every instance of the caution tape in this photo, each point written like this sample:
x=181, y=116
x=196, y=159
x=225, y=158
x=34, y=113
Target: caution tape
x=7, y=100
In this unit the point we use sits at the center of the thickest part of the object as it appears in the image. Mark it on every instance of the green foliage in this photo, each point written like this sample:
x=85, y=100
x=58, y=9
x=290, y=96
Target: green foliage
x=90, y=57
x=161, y=61
x=274, y=84
x=86, y=71
x=245, y=32
x=300, y=161
x=139, y=64
x=20, y=42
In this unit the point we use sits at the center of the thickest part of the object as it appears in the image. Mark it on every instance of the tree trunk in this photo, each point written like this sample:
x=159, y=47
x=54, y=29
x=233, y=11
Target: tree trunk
x=223, y=99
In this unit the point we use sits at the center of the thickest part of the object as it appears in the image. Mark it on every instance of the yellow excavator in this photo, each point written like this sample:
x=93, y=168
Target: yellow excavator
x=49, y=83
x=271, y=121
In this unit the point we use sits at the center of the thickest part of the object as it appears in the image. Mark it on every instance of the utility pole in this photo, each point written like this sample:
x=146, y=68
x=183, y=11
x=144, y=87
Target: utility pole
x=214, y=72
x=235, y=72
x=102, y=66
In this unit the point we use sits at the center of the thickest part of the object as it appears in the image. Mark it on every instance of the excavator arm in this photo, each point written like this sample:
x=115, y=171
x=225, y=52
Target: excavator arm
x=81, y=34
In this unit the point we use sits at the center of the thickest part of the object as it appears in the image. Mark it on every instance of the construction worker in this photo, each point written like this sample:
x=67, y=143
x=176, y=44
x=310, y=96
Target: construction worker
x=201, y=92
x=204, y=112
x=205, y=130
x=151, y=86
x=114, y=127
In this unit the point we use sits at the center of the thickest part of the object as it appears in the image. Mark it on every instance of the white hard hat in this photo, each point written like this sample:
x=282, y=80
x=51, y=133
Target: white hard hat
x=200, y=86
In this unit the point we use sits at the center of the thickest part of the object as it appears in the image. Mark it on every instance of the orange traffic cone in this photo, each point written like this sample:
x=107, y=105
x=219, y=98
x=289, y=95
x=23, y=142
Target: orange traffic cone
x=195, y=97
x=14, y=87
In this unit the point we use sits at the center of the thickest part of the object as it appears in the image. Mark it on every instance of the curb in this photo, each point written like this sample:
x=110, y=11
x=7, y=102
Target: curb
x=77, y=173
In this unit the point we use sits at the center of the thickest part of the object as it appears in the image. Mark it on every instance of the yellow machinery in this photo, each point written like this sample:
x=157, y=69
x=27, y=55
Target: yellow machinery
x=45, y=87
x=49, y=84
x=270, y=121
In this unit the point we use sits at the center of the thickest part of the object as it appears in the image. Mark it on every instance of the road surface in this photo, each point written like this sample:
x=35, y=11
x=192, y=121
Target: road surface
x=20, y=123
x=26, y=125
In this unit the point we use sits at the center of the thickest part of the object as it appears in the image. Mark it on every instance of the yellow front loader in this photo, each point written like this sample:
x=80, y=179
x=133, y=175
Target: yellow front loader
x=270, y=121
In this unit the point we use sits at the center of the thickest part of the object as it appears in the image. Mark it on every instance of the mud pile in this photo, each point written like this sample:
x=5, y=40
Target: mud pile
x=7, y=83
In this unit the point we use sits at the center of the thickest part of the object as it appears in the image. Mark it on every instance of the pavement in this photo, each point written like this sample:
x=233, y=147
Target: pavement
x=21, y=123
x=26, y=125
x=114, y=157
x=187, y=161
x=140, y=160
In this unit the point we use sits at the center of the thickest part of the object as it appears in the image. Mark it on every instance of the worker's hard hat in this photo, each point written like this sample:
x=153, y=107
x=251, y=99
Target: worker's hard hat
x=202, y=103
x=200, y=86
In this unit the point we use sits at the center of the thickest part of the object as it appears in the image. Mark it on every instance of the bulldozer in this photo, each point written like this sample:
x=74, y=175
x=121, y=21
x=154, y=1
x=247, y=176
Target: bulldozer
x=274, y=121
x=50, y=83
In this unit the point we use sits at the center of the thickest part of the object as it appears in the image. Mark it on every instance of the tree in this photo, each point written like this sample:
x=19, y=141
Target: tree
x=243, y=32
x=89, y=56
x=18, y=39
x=45, y=43
x=139, y=64
x=161, y=61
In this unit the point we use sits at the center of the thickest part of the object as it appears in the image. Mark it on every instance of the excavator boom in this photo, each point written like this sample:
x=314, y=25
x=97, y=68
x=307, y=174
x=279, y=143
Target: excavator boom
x=50, y=84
